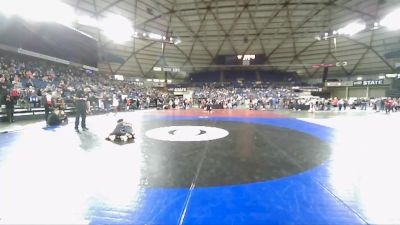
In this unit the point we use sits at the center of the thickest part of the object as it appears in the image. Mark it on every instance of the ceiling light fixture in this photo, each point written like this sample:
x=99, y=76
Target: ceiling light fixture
x=155, y=36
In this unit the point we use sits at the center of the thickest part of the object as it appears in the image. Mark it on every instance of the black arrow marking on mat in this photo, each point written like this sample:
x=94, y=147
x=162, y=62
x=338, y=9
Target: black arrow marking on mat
x=202, y=132
x=172, y=132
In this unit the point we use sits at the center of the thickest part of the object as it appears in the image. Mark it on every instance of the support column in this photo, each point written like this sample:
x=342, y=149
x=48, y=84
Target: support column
x=258, y=77
x=347, y=92
x=221, y=76
x=325, y=74
x=367, y=92
x=165, y=81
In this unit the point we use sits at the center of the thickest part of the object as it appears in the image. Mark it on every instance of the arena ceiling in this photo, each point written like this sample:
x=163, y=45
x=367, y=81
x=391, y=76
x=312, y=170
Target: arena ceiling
x=283, y=30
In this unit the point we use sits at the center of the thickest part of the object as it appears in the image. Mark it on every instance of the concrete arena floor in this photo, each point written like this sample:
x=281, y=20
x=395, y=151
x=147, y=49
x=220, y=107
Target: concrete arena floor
x=272, y=168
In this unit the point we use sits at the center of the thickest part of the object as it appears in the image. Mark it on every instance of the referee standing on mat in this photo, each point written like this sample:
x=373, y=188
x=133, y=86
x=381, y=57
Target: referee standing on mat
x=80, y=108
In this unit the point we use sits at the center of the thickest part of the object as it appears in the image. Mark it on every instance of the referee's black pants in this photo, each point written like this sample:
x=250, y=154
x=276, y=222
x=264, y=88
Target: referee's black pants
x=80, y=113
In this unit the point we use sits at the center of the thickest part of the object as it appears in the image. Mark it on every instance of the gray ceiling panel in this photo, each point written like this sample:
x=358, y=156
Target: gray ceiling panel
x=284, y=30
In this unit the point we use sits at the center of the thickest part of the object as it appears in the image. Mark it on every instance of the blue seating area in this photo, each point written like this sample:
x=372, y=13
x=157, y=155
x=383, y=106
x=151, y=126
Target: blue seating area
x=245, y=76
x=207, y=76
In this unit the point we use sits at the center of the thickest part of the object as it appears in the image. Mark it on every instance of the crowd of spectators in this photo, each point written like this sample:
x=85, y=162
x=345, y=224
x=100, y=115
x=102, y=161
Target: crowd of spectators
x=36, y=83
x=386, y=104
x=252, y=97
x=28, y=83
x=284, y=98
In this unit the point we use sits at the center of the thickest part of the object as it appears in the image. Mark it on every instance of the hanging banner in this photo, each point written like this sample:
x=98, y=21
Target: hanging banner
x=368, y=82
x=42, y=56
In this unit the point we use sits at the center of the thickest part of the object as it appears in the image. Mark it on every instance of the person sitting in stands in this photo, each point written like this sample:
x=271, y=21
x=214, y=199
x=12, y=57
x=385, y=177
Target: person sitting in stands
x=123, y=132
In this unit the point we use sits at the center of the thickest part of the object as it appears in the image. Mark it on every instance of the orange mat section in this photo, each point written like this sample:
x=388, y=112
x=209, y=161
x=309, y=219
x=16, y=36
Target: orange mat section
x=220, y=113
